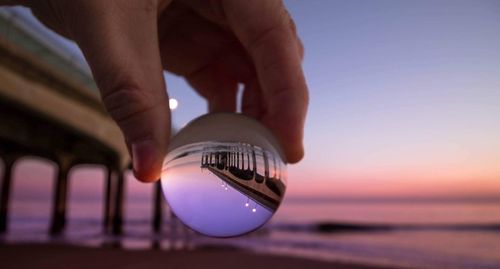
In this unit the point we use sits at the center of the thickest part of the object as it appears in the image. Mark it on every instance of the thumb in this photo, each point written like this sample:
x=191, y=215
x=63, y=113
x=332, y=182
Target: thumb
x=121, y=45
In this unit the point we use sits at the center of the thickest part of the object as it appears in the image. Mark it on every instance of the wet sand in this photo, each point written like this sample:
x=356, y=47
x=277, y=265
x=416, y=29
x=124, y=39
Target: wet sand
x=67, y=256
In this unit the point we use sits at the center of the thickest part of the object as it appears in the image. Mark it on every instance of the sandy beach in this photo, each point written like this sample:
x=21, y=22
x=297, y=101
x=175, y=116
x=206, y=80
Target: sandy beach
x=68, y=256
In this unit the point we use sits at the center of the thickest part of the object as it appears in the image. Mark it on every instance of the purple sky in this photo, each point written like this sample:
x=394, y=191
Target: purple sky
x=405, y=98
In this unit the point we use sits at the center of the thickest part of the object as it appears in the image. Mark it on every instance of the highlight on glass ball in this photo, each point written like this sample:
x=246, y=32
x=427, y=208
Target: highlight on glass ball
x=224, y=175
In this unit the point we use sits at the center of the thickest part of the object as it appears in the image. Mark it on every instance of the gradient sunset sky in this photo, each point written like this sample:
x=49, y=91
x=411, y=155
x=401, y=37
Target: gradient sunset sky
x=405, y=98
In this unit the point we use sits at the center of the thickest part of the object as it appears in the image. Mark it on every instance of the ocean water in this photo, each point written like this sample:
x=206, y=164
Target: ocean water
x=416, y=234
x=422, y=234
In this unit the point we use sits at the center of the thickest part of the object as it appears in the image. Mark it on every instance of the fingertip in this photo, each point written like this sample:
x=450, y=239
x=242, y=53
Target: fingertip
x=295, y=155
x=290, y=136
x=147, y=159
x=145, y=178
x=293, y=148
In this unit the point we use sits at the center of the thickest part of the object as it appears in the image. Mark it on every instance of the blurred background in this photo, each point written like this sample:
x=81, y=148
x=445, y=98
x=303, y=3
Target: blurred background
x=402, y=162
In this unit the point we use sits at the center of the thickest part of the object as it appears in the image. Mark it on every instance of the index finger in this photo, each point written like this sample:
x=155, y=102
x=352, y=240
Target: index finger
x=266, y=31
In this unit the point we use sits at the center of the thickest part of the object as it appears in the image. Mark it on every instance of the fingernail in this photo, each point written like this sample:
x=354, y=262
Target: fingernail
x=143, y=156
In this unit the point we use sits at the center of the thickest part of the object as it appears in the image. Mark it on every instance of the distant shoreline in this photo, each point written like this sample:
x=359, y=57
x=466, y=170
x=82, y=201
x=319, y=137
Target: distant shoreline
x=343, y=227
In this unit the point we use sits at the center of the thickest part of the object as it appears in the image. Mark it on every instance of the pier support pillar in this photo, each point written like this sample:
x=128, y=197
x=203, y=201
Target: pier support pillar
x=157, y=208
x=60, y=199
x=157, y=221
x=108, y=200
x=5, y=192
x=117, y=225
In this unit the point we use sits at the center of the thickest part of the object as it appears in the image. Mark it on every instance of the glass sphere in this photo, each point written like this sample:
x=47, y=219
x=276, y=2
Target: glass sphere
x=224, y=175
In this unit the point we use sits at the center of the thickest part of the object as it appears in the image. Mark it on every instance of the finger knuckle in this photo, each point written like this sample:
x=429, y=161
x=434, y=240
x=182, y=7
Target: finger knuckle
x=269, y=30
x=126, y=101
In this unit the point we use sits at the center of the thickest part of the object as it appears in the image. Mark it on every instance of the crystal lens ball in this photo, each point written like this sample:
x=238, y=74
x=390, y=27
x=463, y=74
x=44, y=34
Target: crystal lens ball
x=224, y=175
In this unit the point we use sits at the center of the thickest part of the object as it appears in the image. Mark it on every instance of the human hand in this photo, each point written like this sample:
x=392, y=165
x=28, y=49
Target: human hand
x=213, y=44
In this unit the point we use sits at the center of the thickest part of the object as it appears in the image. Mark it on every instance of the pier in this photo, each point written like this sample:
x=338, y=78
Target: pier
x=50, y=108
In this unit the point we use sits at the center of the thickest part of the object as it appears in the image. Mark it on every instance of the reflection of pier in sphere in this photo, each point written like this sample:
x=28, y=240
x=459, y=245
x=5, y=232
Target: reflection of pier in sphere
x=237, y=166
